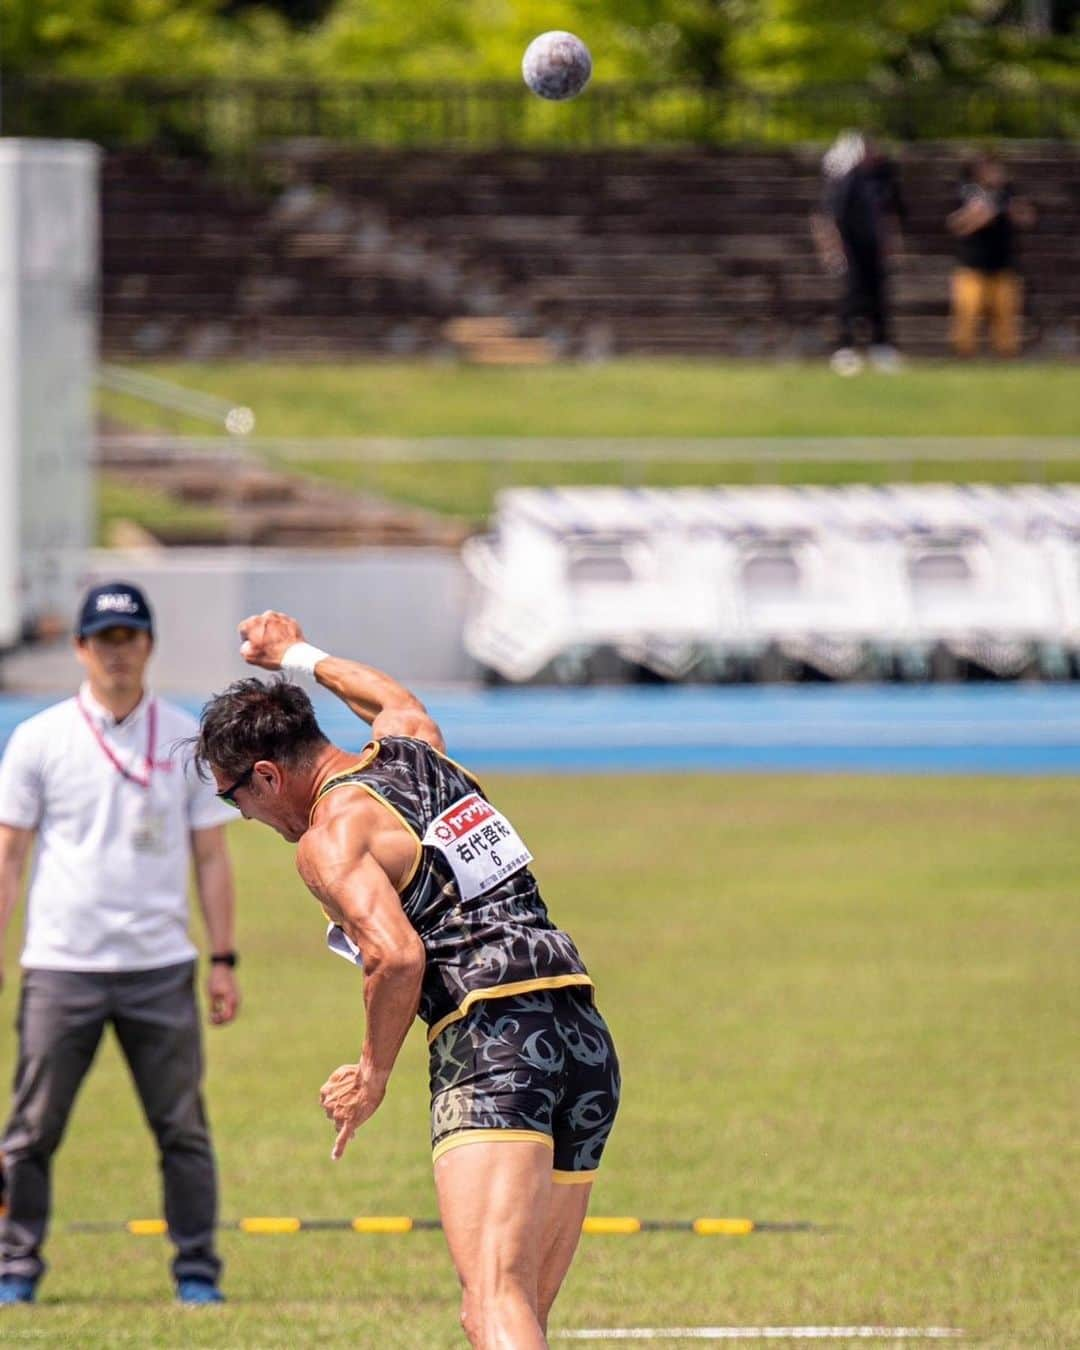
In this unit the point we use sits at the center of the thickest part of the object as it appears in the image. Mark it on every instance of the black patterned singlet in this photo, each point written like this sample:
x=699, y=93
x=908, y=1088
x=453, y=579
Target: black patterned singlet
x=495, y=943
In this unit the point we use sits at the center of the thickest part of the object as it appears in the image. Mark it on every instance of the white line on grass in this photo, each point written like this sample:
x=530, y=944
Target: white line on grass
x=762, y=1334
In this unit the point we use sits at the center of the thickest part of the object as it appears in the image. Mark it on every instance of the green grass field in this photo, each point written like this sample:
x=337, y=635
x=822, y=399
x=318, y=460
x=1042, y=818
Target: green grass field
x=847, y=1000
x=631, y=398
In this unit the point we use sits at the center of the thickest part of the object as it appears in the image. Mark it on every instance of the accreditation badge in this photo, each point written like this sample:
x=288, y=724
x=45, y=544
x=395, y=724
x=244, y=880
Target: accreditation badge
x=150, y=833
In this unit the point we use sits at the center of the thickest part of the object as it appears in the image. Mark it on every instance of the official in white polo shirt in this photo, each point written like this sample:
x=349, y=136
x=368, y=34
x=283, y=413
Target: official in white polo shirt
x=118, y=812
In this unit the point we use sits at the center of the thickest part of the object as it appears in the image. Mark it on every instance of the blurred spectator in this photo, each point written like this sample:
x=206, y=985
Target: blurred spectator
x=856, y=230
x=986, y=281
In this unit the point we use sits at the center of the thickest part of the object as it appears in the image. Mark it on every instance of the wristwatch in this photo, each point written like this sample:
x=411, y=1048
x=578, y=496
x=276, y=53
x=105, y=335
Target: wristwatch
x=224, y=959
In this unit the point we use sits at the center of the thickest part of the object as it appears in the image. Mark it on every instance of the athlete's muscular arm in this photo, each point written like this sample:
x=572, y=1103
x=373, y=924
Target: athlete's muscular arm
x=372, y=694
x=339, y=864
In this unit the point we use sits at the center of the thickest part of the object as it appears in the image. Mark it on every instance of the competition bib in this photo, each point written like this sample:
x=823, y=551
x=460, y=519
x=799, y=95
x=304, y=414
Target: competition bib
x=479, y=843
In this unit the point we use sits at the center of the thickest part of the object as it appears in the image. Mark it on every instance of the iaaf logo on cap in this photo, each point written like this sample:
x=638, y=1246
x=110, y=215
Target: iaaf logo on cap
x=462, y=817
x=117, y=603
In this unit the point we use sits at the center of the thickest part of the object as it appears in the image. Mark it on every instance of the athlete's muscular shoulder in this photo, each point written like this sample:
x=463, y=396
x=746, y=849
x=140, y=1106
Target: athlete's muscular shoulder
x=348, y=827
x=416, y=723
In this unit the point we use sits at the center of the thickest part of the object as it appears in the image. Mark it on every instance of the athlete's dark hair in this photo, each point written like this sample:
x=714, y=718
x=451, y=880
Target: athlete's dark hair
x=252, y=721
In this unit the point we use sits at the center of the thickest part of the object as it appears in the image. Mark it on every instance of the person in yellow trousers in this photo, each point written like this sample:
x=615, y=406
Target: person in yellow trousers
x=986, y=283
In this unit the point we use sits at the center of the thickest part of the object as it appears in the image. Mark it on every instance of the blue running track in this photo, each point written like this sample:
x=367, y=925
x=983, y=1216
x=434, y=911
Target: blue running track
x=1013, y=729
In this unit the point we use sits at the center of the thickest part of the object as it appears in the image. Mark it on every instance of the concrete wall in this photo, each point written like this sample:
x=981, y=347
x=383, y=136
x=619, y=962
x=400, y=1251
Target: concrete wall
x=399, y=609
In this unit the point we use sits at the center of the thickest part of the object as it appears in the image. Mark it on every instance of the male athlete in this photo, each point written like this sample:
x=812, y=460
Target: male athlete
x=426, y=886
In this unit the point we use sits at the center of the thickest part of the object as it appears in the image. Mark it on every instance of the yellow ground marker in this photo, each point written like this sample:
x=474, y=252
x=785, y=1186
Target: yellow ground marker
x=723, y=1227
x=600, y=1225
x=383, y=1223
x=270, y=1225
x=611, y=1226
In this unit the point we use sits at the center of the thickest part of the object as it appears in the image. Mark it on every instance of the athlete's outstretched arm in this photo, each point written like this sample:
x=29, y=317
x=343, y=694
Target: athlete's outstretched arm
x=338, y=865
x=373, y=695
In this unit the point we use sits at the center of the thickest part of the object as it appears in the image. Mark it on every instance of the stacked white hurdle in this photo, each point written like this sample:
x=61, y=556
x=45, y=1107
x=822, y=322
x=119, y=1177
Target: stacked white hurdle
x=844, y=582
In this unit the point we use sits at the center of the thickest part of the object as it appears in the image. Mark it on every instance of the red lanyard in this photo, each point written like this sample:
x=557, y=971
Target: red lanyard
x=106, y=749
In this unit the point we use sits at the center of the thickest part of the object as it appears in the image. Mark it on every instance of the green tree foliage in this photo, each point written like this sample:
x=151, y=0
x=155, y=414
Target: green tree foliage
x=792, y=42
x=296, y=13
x=483, y=39
x=779, y=43
x=117, y=38
x=670, y=39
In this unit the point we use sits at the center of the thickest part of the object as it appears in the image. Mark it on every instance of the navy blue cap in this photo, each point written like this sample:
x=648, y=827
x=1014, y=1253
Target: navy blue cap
x=116, y=604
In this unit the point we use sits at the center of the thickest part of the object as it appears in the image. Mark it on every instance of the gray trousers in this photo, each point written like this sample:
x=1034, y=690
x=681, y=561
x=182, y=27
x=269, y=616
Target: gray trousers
x=62, y=1015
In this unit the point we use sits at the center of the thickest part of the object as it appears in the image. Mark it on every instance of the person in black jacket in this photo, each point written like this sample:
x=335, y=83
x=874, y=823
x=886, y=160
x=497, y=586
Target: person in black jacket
x=986, y=281
x=856, y=230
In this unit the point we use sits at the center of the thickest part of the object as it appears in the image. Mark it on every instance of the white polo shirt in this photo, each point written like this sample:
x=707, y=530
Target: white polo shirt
x=112, y=811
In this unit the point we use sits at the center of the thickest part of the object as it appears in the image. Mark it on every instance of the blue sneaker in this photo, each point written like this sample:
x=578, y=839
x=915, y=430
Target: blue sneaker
x=193, y=1292
x=16, y=1289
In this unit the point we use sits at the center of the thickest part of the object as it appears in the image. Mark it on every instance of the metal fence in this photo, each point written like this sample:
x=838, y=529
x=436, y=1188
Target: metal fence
x=237, y=116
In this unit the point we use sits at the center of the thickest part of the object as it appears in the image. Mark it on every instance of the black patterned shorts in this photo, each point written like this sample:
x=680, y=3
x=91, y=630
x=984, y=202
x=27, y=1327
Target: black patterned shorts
x=537, y=1065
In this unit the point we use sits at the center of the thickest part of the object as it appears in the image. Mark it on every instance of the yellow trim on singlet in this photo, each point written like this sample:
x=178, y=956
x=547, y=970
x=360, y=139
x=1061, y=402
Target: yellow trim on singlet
x=338, y=781
x=572, y=1178
x=377, y=796
x=368, y=753
x=507, y=991
x=460, y=767
x=488, y=1136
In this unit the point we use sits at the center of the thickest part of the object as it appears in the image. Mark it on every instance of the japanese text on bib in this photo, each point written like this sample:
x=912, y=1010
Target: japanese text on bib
x=479, y=843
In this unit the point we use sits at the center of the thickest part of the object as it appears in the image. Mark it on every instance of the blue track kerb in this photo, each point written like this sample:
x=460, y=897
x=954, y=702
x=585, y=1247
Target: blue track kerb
x=1021, y=729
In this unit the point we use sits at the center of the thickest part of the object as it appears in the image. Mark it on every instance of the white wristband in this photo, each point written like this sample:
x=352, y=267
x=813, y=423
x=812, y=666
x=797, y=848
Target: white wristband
x=301, y=659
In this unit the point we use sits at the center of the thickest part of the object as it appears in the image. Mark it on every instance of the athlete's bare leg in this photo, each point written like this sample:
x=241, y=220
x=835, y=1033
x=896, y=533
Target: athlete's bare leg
x=566, y=1211
x=494, y=1199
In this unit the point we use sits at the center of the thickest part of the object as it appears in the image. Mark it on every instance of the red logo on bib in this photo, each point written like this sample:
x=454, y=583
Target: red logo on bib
x=462, y=817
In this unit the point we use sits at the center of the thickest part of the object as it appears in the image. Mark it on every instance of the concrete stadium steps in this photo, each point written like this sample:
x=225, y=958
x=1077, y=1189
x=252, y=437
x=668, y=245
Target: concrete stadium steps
x=257, y=506
x=359, y=250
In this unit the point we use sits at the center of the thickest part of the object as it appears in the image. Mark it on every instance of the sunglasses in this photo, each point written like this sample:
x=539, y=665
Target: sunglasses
x=226, y=794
